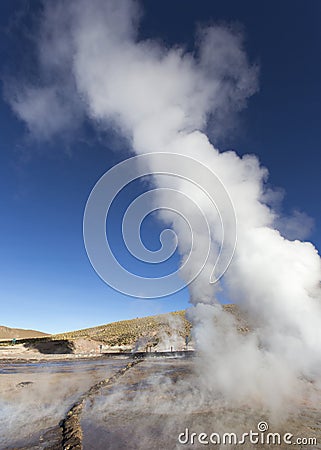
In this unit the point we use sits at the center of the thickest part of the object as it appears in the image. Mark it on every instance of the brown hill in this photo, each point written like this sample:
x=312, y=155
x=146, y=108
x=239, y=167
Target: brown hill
x=159, y=333
x=126, y=332
x=150, y=329
x=19, y=333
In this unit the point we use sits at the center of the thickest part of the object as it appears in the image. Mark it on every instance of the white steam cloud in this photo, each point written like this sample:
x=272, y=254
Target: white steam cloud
x=161, y=99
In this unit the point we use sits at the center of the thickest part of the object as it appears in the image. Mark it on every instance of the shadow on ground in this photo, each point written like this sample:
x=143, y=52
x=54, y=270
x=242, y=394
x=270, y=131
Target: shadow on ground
x=51, y=347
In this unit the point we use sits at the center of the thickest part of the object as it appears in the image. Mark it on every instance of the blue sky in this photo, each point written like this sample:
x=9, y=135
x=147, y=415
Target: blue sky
x=47, y=281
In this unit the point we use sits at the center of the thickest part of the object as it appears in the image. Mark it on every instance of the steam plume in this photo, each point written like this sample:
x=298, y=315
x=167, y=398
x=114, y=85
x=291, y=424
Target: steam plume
x=161, y=100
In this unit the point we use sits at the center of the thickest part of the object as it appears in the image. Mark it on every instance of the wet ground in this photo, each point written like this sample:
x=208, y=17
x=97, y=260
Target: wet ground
x=158, y=400
x=148, y=407
x=34, y=397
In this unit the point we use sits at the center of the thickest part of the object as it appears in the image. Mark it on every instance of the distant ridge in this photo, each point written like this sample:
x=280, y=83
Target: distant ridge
x=126, y=332
x=151, y=328
x=19, y=333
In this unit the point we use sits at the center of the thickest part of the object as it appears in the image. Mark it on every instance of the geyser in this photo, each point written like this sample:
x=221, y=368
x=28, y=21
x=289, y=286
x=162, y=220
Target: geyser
x=160, y=98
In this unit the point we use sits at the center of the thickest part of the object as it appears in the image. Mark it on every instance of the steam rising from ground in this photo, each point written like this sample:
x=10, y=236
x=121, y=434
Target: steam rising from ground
x=161, y=99
x=34, y=398
x=158, y=399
